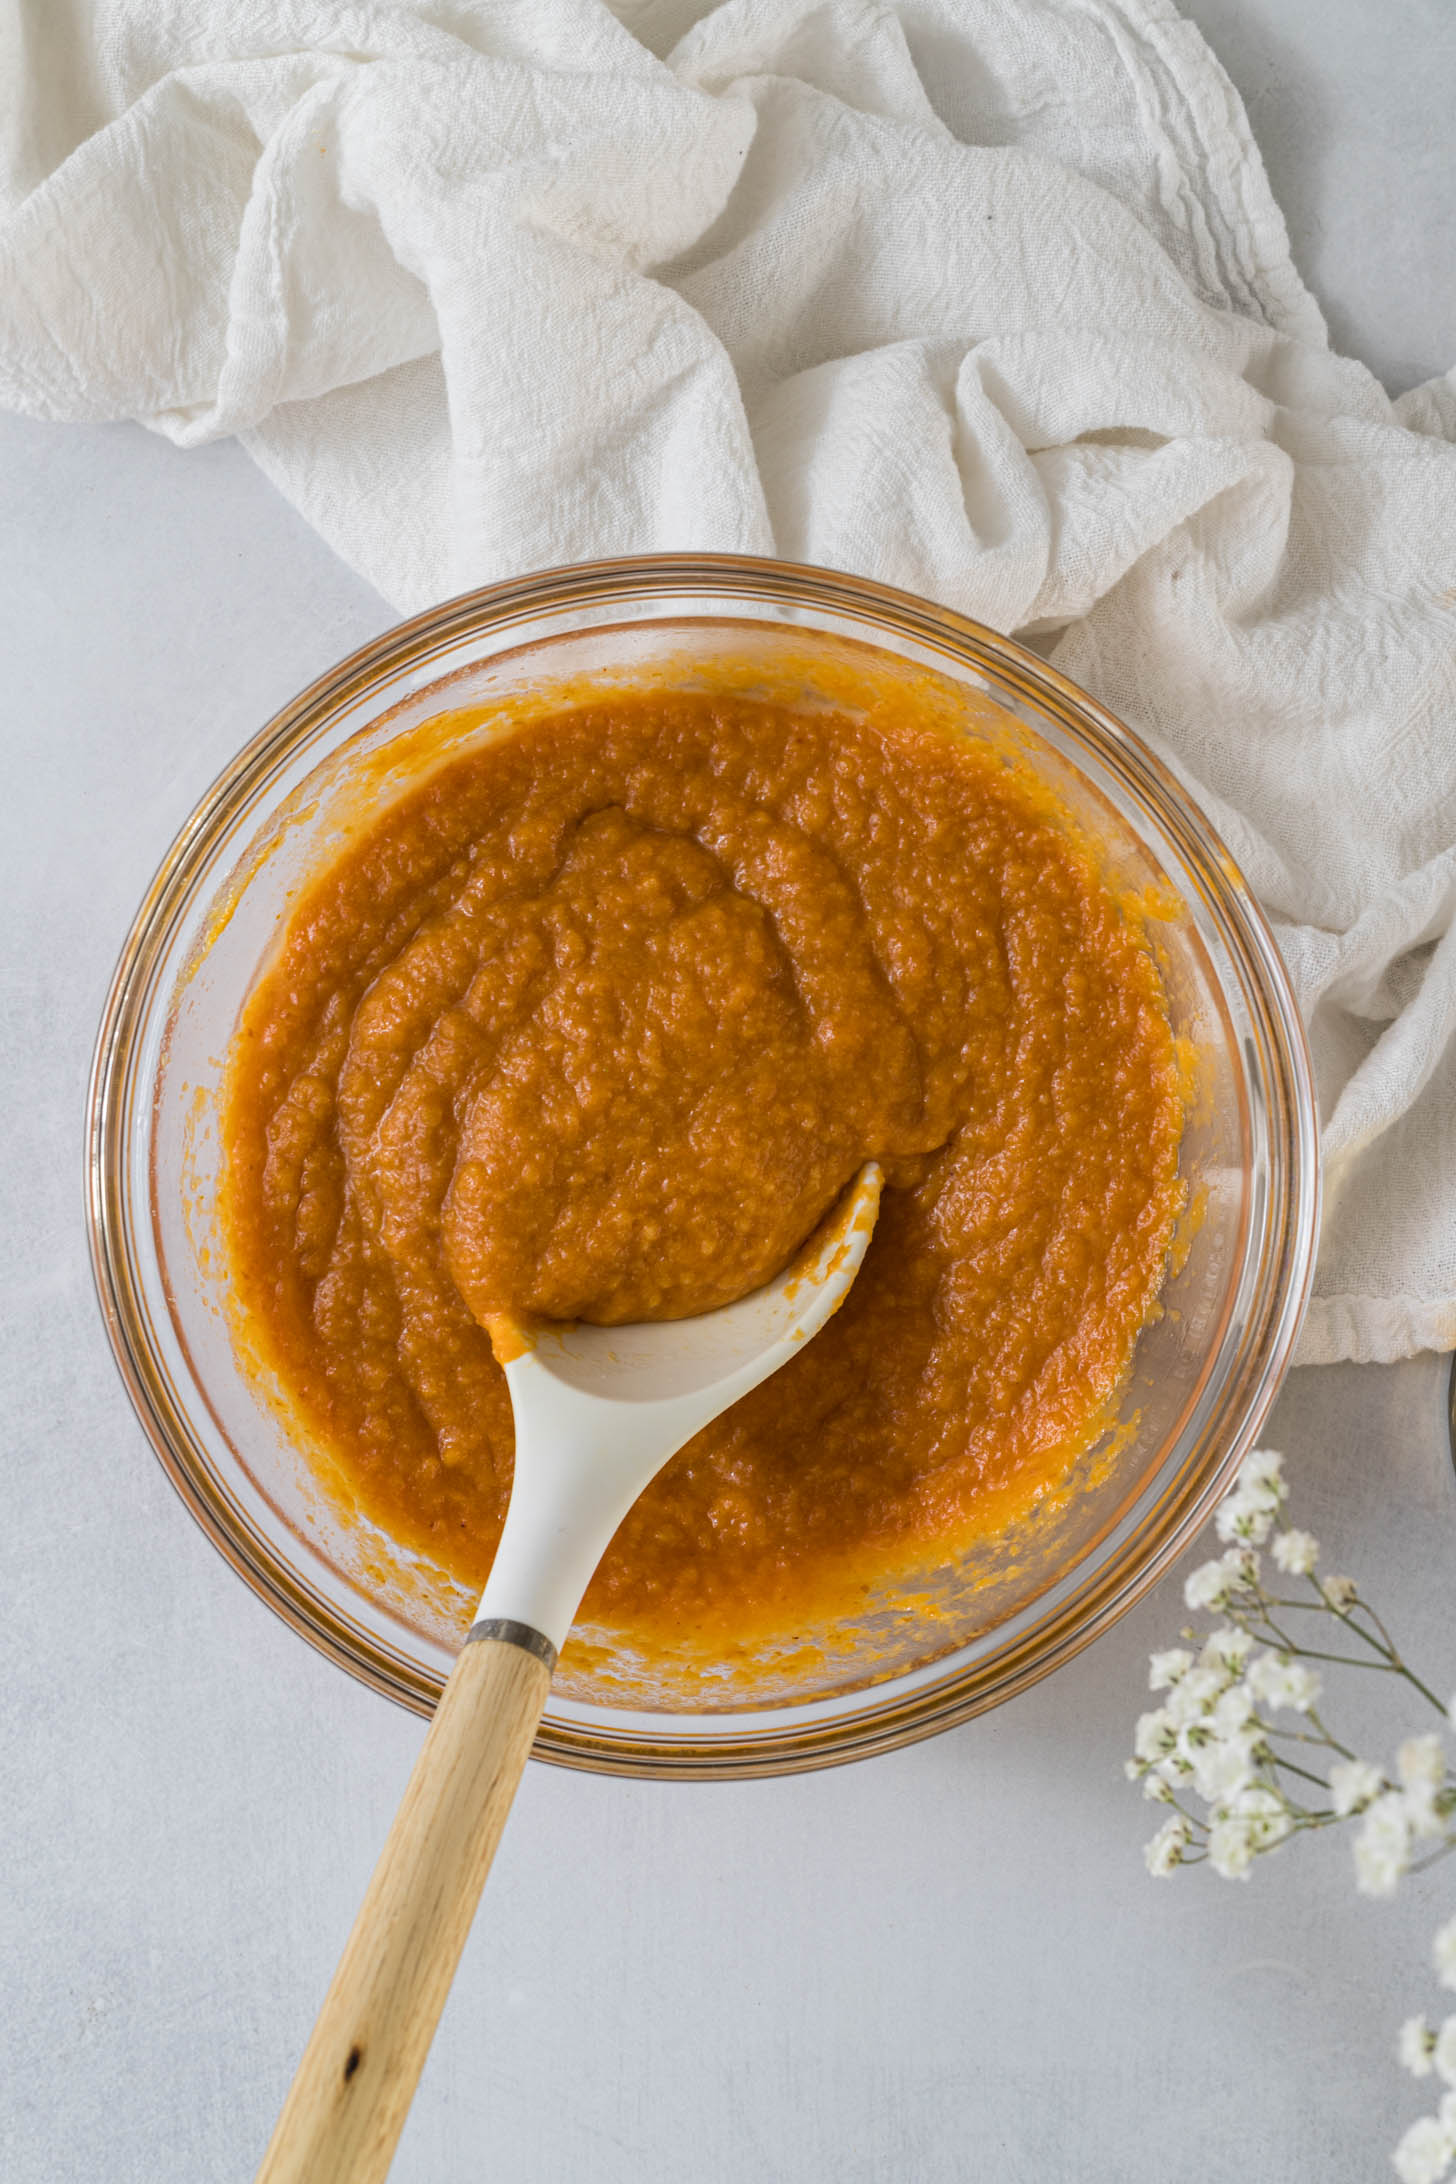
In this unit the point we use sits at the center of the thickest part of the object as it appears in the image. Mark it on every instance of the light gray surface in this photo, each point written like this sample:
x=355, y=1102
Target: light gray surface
x=1351, y=103
x=943, y=1965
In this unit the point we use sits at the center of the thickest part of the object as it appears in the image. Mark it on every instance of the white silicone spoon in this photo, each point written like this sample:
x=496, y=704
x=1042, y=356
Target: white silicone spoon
x=598, y=1411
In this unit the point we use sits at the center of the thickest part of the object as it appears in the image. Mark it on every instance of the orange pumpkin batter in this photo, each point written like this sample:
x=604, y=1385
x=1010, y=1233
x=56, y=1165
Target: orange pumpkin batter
x=597, y=1021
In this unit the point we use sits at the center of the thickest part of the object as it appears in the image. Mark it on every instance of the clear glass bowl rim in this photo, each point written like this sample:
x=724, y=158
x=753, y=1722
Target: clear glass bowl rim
x=885, y=1720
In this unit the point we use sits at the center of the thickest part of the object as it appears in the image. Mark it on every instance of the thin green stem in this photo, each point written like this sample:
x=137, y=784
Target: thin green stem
x=1280, y=1638
x=1364, y=1607
x=1389, y=1657
x=1424, y=1689
x=1434, y=1857
x=1384, y=1644
x=1341, y=1660
x=1296, y=1736
x=1291, y=1766
x=1333, y=1742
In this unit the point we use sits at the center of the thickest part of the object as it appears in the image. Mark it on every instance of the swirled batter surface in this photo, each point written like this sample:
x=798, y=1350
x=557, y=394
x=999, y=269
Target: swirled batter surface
x=597, y=1021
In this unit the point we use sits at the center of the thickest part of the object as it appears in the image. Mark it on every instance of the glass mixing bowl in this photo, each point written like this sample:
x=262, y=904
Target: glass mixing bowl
x=1204, y=1372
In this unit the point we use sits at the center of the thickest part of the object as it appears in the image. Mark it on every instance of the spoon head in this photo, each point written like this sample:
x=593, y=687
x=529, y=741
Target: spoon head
x=599, y=1410
x=708, y=1362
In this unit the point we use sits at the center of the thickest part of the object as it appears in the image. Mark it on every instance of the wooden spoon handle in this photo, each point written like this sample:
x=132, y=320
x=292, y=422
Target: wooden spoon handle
x=351, y=2094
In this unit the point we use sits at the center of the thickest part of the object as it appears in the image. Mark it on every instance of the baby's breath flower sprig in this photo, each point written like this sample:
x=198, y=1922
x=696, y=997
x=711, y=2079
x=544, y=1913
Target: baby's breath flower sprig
x=1238, y=1733
x=1223, y=1737
x=1427, y=2150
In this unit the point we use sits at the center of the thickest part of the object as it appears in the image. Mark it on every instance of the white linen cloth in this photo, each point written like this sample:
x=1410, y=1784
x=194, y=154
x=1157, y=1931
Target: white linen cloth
x=987, y=298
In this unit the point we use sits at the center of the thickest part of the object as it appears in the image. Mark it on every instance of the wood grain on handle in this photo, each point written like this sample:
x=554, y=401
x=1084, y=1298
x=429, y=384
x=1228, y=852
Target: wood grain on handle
x=347, y=2104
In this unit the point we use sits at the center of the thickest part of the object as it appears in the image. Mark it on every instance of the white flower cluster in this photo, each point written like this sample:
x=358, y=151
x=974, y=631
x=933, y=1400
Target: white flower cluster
x=1213, y=1733
x=1249, y=1513
x=1213, y=1737
x=1428, y=2149
x=1246, y=1518
x=1396, y=1818
x=1208, y=1736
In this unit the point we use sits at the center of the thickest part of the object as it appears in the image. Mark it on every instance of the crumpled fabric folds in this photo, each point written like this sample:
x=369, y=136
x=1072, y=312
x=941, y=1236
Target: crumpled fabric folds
x=985, y=298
